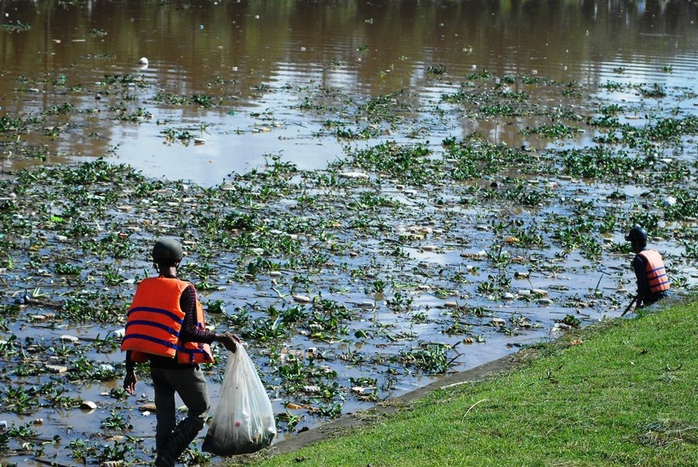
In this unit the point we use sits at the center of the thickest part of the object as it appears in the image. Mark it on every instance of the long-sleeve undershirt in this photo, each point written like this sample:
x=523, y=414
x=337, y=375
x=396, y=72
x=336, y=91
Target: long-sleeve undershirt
x=640, y=267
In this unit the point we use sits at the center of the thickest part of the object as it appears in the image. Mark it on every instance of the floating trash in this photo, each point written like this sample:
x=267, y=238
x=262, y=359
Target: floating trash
x=112, y=463
x=59, y=369
x=41, y=317
x=88, y=405
x=301, y=299
x=354, y=175
x=669, y=201
x=498, y=322
x=479, y=254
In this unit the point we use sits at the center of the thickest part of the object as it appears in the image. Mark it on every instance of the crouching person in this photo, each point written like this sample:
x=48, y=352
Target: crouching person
x=650, y=272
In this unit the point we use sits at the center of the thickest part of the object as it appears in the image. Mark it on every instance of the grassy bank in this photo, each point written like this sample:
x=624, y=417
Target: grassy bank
x=619, y=393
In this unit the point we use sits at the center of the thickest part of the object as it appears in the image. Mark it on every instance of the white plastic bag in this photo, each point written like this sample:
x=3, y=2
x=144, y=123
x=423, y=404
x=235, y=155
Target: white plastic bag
x=243, y=420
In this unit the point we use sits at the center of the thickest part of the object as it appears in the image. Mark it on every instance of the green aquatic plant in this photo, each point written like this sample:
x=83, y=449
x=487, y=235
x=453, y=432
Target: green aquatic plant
x=601, y=163
x=170, y=98
x=173, y=135
x=62, y=109
x=685, y=206
x=429, y=358
x=215, y=306
x=95, y=32
x=68, y=269
x=137, y=116
x=265, y=329
x=85, y=450
x=83, y=369
x=15, y=26
x=399, y=302
x=474, y=158
x=203, y=100
x=116, y=422
x=613, y=86
x=9, y=123
x=655, y=90
x=438, y=70
x=329, y=411
x=500, y=110
x=89, y=305
x=307, y=381
x=407, y=163
x=18, y=399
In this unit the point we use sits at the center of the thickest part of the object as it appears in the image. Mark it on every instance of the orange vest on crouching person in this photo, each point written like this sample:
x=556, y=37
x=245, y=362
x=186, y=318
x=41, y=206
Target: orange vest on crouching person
x=657, y=278
x=155, y=320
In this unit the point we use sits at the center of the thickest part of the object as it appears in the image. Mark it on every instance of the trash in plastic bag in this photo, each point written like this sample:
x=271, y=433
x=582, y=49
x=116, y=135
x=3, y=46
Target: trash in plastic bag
x=243, y=421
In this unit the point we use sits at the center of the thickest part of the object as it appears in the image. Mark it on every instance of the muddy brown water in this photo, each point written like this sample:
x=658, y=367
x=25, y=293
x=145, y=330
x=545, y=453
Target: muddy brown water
x=271, y=50
x=271, y=56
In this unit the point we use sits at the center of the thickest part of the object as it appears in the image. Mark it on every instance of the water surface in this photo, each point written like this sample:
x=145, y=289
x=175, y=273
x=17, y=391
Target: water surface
x=269, y=54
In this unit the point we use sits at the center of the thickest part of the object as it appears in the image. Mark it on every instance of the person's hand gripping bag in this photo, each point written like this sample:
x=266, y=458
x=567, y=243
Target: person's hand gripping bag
x=243, y=421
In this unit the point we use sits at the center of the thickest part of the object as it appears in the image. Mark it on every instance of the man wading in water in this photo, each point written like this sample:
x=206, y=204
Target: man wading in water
x=652, y=279
x=165, y=326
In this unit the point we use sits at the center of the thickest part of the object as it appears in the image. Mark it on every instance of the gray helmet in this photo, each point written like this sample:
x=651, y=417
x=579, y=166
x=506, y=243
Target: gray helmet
x=167, y=249
x=637, y=233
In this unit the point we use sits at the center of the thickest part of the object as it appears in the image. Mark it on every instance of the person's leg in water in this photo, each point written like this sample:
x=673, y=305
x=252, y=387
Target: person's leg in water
x=165, y=412
x=190, y=384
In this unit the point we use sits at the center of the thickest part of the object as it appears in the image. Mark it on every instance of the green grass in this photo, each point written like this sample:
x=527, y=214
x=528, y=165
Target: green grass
x=621, y=393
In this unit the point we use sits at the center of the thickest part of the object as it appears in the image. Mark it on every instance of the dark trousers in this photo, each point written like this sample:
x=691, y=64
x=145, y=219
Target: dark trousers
x=190, y=385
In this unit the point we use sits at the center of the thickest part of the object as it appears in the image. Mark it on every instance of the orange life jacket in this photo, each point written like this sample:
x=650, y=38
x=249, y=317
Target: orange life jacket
x=657, y=277
x=155, y=320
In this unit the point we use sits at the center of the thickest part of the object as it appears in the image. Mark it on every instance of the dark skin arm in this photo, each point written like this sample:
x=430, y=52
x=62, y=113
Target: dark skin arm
x=229, y=341
x=130, y=381
x=643, y=287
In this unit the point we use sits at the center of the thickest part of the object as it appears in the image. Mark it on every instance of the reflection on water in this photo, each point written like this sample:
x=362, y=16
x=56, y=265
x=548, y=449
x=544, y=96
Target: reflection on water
x=268, y=52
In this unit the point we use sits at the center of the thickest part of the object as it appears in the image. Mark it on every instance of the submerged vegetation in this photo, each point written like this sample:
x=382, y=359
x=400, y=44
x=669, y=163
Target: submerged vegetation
x=348, y=282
